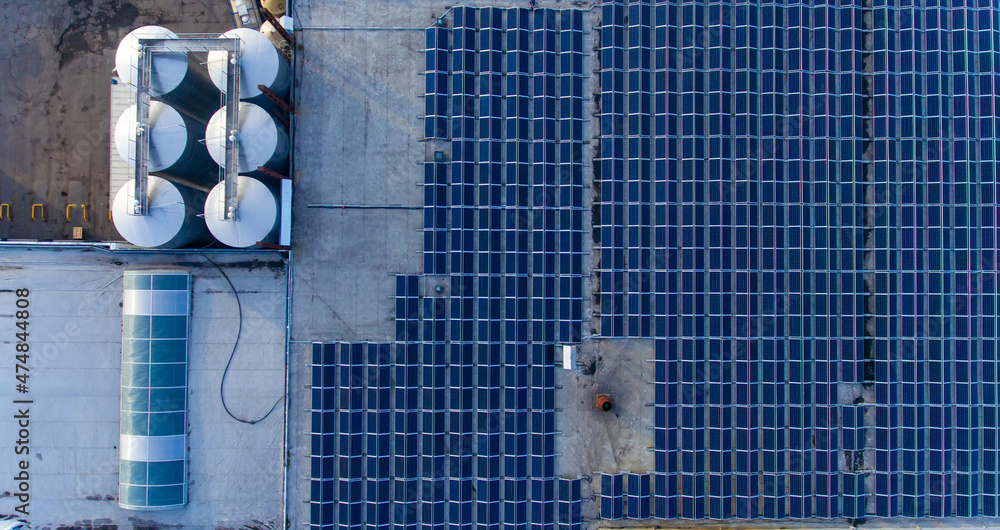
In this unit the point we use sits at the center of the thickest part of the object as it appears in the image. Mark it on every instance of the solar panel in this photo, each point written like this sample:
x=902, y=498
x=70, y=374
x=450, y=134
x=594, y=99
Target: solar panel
x=781, y=247
x=453, y=423
x=638, y=493
x=612, y=496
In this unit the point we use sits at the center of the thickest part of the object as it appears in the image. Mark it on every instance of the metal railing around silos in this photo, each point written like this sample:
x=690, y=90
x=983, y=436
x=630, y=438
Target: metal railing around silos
x=231, y=98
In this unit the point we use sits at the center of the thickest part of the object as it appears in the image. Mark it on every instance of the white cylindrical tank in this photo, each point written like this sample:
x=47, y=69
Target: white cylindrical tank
x=260, y=64
x=173, y=219
x=178, y=78
x=256, y=217
x=176, y=145
x=262, y=140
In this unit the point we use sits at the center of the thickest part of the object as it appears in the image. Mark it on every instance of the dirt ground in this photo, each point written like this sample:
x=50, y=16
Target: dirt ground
x=56, y=59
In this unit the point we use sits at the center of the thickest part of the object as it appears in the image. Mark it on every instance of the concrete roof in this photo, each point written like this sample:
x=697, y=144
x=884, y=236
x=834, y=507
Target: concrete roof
x=75, y=325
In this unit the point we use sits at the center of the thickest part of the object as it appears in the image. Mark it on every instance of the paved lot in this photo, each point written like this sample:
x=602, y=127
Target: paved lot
x=56, y=58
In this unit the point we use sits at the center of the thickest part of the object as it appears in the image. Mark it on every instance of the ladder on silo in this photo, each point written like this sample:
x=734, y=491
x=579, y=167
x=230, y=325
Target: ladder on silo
x=141, y=204
x=232, y=168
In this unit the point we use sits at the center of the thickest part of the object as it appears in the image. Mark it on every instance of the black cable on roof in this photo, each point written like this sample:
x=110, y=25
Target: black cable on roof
x=239, y=333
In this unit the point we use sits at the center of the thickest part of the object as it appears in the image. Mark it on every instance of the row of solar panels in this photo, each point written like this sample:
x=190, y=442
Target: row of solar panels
x=505, y=206
x=471, y=399
x=641, y=37
x=684, y=119
x=642, y=122
x=725, y=496
x=934, y=417
x=516, y=55
x=391, y=504
x=525, y=314
x=417, y=466
x=392, y=468
x=517, y=401
x=630, y=496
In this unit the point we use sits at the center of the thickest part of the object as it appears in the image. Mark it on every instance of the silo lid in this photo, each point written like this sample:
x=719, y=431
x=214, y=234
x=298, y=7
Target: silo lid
x=258, y=137
x=256, y=214
x=165, y=219
x=168, y=136
x=260, y=62
x=168, y=69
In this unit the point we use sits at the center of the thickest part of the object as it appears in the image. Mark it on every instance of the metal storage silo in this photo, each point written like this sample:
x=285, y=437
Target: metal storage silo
x=256, y=217
x=261, y=139
x=276, y=7
x=260, y=64
x=176, y=145
x=178, y=78
x=173, y=220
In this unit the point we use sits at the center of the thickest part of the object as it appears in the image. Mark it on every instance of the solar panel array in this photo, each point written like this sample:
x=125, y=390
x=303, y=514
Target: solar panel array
x=735, y=178
x=453, y=424
x=730, y=229
x=935, y=106
x=505, y=86
x=811, y=246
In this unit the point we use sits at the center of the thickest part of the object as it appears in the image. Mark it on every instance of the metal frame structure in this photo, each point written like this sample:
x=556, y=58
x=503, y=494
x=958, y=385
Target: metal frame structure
x=186, y=44
x=156, y=327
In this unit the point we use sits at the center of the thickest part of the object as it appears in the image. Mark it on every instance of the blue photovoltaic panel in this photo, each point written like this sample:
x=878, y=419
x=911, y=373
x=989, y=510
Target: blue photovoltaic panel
x=638, y=491
x=437, y=80
x=934, y=143
x=786, y=226
x=452, y=426
x=612, y=496
x=730, y=223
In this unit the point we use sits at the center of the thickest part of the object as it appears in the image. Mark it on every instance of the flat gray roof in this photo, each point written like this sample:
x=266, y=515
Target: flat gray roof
x=236, y=470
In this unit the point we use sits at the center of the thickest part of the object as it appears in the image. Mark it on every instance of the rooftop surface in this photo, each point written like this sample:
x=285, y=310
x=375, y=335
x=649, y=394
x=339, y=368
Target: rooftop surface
x=362, y=272
x=780, y=367
x=355, y=149
x=362, y=148
x=75, y=326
